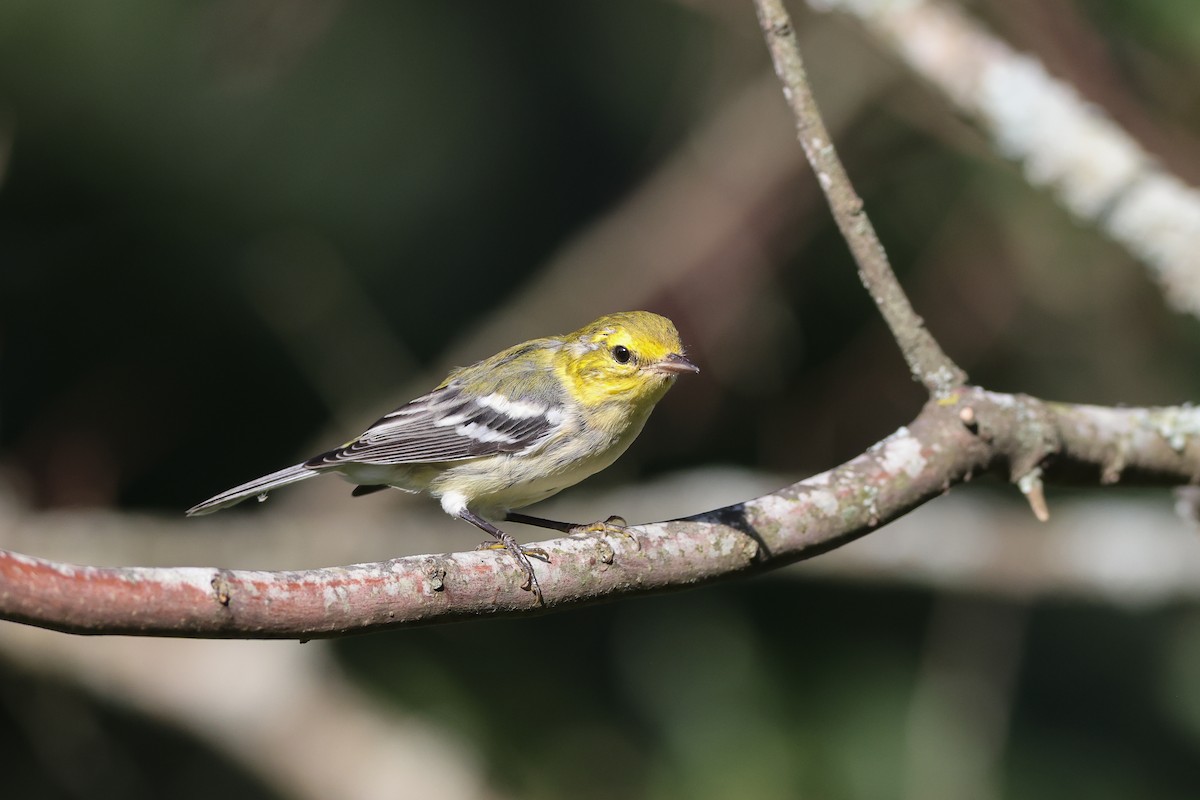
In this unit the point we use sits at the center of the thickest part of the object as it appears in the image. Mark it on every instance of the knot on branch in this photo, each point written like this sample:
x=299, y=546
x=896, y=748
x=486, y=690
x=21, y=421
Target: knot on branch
x=1021, y=430
x=1031, y=438
x=221, y=588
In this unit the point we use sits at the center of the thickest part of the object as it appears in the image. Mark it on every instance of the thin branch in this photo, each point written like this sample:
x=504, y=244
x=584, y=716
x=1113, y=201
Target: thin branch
x=1011, y=433
x=927, y=361
x=1094, y=167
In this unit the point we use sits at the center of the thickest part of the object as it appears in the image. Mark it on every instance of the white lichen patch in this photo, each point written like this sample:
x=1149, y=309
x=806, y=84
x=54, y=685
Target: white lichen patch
x=821, y=479
x=868, y=503
x=396, y=579
x=726, y=545
x=902, y=453
x=66, y=570
x=652, y=530
x=824, y=501
x=197, y=578
x=334, y=596
x=774, y=507
x=670, y=545
x=398, y=586
x=1000, y=399
x=1177, y=425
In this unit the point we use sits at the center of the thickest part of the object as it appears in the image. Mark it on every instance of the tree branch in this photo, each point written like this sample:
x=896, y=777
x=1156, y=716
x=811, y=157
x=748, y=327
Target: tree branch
x=969, y=432
x=926, y=359
x=1093, y=166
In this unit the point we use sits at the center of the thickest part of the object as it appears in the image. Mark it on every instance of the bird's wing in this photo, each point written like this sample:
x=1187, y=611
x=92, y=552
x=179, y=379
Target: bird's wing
x=446, y=426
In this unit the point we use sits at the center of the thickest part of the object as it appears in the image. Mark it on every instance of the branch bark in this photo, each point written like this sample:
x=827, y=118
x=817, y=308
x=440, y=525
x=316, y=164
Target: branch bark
x=955, y=437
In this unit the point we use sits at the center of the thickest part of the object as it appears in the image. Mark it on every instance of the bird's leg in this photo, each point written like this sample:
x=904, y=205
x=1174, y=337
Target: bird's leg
x=506, y=542
x=613, y=525
x=538, y=522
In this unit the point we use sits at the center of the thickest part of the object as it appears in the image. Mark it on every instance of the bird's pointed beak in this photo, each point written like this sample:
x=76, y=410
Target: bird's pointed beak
x=674, y=364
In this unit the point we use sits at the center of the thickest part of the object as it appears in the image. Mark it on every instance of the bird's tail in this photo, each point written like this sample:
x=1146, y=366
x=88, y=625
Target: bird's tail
x=256, y=487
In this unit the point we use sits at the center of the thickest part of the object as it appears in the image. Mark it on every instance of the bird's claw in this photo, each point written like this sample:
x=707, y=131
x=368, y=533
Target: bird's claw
x=523, y=555
x=532, y=552
x=613, y=526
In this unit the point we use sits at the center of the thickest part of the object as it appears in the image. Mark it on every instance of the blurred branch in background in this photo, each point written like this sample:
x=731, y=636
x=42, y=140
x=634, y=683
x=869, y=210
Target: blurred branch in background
x=960, y=711
x=1068, y=41
x=1094, y=167
x=256, y=43
x=286, y=712
x=1129, y=553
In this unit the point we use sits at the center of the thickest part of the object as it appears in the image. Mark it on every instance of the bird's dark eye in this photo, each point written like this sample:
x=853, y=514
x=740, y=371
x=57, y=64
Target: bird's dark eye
x=621, y=354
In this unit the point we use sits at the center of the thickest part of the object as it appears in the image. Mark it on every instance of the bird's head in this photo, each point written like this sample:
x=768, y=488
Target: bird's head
x=634, y=356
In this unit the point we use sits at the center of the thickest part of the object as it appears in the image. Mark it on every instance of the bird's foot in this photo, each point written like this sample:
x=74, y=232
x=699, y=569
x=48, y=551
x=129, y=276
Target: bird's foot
x=613, y=526
x=522, y=554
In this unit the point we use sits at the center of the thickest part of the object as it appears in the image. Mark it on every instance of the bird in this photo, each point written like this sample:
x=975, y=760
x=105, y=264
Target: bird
x=510, y=430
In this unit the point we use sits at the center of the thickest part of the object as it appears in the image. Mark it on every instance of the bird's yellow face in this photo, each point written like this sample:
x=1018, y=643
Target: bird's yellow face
x=634, y=356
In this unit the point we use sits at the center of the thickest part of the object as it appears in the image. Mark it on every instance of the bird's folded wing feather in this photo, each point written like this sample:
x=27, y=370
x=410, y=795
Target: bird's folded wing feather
x=445, y=425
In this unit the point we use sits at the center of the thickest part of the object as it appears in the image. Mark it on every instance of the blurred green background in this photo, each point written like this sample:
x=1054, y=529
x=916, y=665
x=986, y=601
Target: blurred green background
x=233, y=233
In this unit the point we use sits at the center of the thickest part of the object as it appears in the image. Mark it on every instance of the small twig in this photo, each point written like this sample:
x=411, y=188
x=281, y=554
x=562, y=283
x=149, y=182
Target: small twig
x=1031, y=486
x=927, y=361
